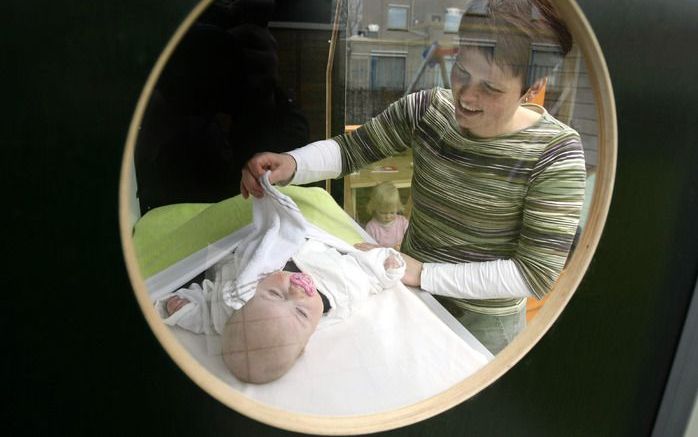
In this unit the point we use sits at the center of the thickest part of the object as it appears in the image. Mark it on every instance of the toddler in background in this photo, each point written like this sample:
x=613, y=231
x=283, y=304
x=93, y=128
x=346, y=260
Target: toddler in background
x=387, y=226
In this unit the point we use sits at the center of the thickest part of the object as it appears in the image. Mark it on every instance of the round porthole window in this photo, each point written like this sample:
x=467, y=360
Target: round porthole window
x=478, y=140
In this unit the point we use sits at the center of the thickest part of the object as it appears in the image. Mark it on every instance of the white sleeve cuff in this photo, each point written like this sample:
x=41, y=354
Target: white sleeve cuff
x=373, y=262
x=498, y=279
x=193, y=316
x=317, y=161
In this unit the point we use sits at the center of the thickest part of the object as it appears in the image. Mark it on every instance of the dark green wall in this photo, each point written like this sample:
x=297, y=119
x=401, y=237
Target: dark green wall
x=81, y=359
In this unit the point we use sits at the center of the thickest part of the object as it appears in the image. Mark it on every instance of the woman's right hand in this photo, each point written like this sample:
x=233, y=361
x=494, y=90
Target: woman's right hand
x=281, y=165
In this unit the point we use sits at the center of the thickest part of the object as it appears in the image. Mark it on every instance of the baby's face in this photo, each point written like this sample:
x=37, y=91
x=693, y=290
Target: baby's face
x=268, y=334
x=288, y=296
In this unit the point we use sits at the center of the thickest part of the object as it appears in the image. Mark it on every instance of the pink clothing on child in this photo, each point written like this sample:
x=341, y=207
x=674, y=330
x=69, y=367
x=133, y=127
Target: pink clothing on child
x=390, y=234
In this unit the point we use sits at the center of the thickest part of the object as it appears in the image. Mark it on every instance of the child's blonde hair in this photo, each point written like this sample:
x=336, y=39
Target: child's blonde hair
x=384, y=194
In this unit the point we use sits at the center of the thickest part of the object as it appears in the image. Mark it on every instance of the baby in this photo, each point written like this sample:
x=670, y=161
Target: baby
x=264, y=338
x=386, y=226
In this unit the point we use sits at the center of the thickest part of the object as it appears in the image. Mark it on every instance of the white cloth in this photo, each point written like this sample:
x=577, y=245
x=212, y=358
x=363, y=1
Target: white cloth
x=391, y=353
x=347, y=279
x=279, y=231
x=193, y=316
x=323, y=160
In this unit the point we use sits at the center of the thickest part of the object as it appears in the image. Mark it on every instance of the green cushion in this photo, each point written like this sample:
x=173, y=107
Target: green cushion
x=170, y=233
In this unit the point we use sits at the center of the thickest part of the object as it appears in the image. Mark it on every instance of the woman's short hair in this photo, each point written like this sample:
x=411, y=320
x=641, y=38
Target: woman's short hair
x=507, y=31
x=384, y=194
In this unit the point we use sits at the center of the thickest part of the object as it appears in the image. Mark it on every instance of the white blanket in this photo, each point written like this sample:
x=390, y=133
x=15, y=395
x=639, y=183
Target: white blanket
x=390, y=353
x=278, y=232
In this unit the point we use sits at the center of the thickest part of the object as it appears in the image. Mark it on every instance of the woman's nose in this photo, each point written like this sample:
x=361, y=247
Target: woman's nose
x=467, y=92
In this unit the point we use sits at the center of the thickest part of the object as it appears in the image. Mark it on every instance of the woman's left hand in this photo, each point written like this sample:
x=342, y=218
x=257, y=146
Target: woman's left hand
x=413, y=271
x=413, y=268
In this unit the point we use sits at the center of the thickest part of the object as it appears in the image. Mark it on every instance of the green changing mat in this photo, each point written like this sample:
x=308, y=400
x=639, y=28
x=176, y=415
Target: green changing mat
x=169, y=234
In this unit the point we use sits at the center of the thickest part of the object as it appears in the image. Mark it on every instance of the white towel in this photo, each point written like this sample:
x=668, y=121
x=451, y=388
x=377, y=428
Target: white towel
x=279, y=232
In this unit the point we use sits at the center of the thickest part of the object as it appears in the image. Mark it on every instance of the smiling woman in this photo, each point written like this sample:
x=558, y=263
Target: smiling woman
x=498, y=185
x=496, y=196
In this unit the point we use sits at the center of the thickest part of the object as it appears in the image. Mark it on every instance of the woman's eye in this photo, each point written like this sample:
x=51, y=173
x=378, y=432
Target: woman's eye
x=491, y=89
x=460, y=72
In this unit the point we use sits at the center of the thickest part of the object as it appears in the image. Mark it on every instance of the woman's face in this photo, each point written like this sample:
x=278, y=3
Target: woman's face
x=486, y=97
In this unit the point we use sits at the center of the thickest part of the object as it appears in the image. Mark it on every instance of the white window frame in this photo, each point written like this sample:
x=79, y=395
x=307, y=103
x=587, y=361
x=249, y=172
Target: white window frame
x=406, y=8
x=449, y=15
x=387, y=54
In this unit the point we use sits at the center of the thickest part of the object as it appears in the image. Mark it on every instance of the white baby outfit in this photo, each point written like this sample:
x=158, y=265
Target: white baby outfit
x=347, y=279
x=346, y=275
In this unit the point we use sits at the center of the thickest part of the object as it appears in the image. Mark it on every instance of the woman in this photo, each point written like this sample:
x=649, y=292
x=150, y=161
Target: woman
x=498, y=183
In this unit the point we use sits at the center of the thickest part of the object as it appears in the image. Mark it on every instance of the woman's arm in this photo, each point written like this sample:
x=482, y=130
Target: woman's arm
x=483, y=280
x=316, y=161
x=551, y=213
x=386, y=134
x=499, y=279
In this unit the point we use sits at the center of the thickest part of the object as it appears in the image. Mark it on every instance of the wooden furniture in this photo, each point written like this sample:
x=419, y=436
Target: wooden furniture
x=395, y=169
x=376, y=173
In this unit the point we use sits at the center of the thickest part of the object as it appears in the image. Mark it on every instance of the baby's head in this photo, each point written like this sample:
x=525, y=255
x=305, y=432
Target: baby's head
x=384, y=203
x=264, y=338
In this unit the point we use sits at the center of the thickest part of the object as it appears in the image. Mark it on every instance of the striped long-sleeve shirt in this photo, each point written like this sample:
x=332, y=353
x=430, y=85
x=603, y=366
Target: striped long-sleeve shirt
x=517, y=196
